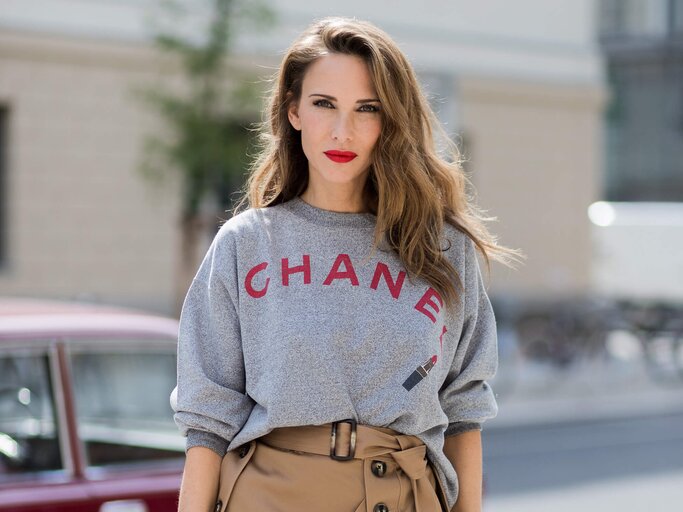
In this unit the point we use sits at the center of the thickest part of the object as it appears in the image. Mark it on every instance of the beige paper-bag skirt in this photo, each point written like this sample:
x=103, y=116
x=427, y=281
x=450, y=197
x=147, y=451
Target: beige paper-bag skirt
x=295, y=469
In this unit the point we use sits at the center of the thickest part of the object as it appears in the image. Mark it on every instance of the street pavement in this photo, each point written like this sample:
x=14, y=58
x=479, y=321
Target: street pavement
x=646, y=493
x=602, y=436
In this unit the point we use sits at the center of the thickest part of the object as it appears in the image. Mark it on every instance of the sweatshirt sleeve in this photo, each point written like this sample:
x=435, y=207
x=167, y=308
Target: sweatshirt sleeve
x=209, y=400
x=466, y=397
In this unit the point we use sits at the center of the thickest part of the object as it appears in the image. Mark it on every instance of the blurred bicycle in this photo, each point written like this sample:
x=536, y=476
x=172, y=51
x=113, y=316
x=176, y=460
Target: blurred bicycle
x=658, y=327
x=556, y=337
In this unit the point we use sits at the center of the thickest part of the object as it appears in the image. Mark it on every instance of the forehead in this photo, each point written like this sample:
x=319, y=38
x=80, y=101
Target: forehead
x=340, y=73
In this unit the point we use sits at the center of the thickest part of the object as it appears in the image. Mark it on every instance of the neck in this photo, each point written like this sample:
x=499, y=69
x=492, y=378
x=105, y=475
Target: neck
x=351, y=203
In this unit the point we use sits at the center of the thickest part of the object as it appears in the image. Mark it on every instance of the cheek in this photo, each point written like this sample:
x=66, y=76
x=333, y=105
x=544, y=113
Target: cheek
x=312, y=127
x=312, y=121
x=371, y=130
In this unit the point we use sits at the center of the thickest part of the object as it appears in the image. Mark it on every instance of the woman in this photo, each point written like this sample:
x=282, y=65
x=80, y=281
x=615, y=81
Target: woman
x=332, y=381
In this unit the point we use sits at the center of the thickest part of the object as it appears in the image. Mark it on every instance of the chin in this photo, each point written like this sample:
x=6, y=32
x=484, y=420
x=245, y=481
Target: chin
x=342, y=176
x=342, y=181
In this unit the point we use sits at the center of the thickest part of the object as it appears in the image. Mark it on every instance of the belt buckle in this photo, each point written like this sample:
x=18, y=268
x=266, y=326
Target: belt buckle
x=352, y=444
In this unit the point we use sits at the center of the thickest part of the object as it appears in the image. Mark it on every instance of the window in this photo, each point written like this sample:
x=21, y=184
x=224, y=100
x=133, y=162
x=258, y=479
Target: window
x=644, y=121
x=677, y=18
x=122, y=403
x=641, y=18
x=28, y=433
x=645, y=132
x=3, y=185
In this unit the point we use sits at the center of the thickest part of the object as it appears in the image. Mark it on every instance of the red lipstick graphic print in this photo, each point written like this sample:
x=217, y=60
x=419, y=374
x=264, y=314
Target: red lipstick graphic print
x=419, y=373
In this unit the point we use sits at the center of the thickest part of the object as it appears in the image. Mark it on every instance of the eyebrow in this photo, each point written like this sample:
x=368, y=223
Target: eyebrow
x=327, y=96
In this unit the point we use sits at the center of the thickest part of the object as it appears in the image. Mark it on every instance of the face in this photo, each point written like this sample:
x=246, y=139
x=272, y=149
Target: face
x=338, y=115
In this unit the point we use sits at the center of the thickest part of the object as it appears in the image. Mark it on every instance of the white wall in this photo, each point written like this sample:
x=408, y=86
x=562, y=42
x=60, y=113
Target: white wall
x=521, y=39
x=525, y=39
x=638, y=250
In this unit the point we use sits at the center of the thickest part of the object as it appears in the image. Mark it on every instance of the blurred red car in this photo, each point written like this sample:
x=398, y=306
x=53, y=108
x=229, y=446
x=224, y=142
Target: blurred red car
x=85, y=419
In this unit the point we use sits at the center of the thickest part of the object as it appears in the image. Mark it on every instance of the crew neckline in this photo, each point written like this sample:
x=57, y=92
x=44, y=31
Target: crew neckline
x=329, y=217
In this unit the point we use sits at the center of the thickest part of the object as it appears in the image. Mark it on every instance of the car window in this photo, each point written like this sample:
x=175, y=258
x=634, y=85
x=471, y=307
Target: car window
x=122, y=404
x=28, y=431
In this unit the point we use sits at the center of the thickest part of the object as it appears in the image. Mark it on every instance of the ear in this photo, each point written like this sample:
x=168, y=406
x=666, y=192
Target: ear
x=293, y=115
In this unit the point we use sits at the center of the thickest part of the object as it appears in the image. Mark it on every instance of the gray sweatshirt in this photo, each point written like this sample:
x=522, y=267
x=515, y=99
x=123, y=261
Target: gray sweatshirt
x=289, y=321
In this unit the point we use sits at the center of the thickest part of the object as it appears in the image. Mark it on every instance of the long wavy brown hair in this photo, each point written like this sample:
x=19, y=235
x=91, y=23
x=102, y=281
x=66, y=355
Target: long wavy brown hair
x=411, y=189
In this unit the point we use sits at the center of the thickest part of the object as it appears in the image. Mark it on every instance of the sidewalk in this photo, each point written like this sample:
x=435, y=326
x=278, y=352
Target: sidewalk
x=532, y=394
x=658, y=491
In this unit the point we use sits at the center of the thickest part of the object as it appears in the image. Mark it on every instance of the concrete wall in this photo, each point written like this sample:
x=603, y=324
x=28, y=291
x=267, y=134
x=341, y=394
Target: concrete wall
x=535, y=159
x=81, y=220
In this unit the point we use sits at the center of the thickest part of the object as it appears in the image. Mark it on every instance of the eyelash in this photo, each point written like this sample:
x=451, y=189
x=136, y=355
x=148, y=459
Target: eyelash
x=319, y=103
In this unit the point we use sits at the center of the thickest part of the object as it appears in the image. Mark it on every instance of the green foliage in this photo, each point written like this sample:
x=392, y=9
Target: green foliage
x=208, y=138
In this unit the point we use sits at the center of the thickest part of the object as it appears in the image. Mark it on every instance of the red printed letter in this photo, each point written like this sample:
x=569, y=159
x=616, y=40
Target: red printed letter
x=305, y=268
x=394, y=286
x=443, y=331
x=250, y=276
x=427, y=299
x=349, y=273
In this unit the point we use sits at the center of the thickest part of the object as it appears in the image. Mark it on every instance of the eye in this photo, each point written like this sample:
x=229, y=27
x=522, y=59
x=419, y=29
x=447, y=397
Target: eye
x=368, y=107
x=323, y=103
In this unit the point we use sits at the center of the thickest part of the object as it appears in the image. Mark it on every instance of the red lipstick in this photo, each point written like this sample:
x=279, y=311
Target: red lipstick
x=340, y=156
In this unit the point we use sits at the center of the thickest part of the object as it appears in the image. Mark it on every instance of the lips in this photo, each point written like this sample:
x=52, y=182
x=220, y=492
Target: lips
x=340, y=156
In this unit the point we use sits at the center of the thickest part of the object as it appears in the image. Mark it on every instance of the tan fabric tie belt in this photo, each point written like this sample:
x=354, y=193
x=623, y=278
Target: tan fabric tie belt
x=409, y=452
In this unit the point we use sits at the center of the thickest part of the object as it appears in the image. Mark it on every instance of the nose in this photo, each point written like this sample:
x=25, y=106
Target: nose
x=342, y=130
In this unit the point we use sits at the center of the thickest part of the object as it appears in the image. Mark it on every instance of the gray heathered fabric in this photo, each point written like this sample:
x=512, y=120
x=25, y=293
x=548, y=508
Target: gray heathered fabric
x=328, y=344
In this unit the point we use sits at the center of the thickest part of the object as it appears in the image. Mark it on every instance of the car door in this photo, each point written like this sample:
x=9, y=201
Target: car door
x=133, y=452
x=36, y=470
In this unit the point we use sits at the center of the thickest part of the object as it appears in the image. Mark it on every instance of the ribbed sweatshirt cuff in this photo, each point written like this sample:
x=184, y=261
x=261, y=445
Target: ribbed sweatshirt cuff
x=460, y=427
x=206, y=439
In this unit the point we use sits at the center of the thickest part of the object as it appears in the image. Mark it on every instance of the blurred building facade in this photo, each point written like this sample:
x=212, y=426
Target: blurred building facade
x=521, y=83
x=638, y=232
x=643, y=45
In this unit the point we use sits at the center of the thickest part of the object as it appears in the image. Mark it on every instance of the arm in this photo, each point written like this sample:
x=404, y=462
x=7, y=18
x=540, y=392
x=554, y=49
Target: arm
x=199, y=486
x=466, y=397
x=464, y=452
x=210, y=400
